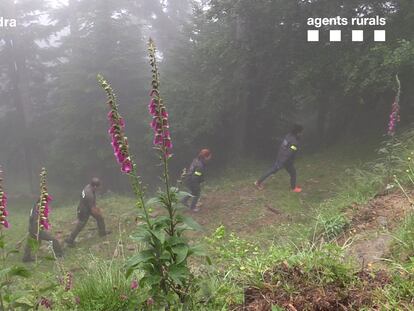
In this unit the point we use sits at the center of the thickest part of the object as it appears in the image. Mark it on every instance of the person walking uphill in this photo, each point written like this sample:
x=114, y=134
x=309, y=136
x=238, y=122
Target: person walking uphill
x=86, y=208
x=286, y=158
x=195, y=176
x=34, y=229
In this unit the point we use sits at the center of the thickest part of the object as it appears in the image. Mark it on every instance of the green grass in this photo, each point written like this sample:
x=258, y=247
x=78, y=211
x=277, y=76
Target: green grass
x=230, y=200
x=324, y=178
x=103, y=286
x=332, y=180
x=119, y=216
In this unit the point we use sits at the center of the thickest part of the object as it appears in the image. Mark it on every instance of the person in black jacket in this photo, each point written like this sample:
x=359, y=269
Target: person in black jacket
x=43, y=236
x=86, y=208
x=286, y=158
x=194, y=178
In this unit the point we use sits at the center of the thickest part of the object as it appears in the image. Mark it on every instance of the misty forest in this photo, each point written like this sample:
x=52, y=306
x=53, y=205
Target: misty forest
x=206, y=155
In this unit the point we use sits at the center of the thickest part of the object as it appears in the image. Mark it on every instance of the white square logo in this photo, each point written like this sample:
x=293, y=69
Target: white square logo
x=313, y=35
x=357, y=35
x=335, y=35
x=379, y=35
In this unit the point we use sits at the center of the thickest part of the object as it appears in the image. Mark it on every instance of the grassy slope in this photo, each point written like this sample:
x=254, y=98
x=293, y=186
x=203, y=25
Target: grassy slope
x=229, y=199
x=232, y=200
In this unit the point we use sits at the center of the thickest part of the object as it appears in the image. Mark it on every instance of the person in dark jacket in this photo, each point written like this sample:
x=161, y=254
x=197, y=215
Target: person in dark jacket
x=86, y=208
x=43, y=235
x=286, y=158
x=194, y=178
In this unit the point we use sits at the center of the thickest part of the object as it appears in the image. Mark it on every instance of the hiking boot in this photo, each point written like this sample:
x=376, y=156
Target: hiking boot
x=258, y=185
x=297, y=190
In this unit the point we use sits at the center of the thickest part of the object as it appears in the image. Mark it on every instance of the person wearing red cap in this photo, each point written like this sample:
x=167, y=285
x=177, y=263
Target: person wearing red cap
x=194, y=178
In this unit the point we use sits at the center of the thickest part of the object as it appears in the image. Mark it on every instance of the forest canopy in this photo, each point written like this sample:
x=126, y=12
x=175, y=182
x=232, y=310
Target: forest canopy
x=236, y=75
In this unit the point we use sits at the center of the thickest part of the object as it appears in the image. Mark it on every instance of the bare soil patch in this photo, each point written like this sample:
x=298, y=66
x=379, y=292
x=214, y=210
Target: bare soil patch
x=371, y=225
x=292, y=289
x=303, y=294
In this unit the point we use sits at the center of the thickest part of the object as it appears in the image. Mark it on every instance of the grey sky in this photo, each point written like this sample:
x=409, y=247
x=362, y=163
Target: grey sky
x=57, y=3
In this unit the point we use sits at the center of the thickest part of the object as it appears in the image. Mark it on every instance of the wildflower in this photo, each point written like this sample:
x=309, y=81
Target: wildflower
x=68, y=282
x=3, y=204
x=394, y=117
x=44, y=201
x=46, y=303
x=116, y=130
x=156, y=108
x=150, y=301
x=134, y=284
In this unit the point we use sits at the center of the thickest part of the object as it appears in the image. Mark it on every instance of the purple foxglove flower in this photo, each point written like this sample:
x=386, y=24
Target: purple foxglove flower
x=126, y=166
x=43, y=207
x=158, y=139
x=110, y=115
x=157, y=109
x=152, y=107
x=155, y=124
x=134, y=284
x=68, y=281
x=167, y=143
x=3, y=205
x=150, y=301
x=46, y=303
x=164, y=113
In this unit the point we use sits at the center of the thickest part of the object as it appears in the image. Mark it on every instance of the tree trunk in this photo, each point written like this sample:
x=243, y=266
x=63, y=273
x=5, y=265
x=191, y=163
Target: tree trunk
x=17, y=68
x=241, y=74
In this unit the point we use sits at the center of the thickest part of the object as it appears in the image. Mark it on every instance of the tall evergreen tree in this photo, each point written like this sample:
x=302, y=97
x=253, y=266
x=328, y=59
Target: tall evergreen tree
x=23, y=74
x=102, y=38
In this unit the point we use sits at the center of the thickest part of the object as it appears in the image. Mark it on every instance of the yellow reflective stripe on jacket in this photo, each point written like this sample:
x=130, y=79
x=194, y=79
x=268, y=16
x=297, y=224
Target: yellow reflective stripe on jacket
x=198, y=173
x=293, y=147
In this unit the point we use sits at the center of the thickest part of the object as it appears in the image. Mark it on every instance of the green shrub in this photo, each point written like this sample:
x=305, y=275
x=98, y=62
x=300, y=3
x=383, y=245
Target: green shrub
x=330, y=227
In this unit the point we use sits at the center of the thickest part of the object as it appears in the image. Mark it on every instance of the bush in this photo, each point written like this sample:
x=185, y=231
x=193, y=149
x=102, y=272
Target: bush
x=330, y=227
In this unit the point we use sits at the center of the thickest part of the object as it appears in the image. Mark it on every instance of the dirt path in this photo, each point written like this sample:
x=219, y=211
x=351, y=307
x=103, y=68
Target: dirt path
x=241, y=210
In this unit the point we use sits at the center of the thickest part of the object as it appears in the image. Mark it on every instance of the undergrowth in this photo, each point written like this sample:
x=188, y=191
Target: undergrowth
x=104, y=286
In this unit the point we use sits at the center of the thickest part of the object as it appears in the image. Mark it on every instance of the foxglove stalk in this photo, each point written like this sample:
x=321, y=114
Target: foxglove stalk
x=3, y=204
x=116, y=130
x=68, y=281
x=394, y=117
x=157, y=109
x=120, y=146
x=44, y=201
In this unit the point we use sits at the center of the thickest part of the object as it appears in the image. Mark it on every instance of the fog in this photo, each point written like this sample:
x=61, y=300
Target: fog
x=206, y=155
x=235, y=77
